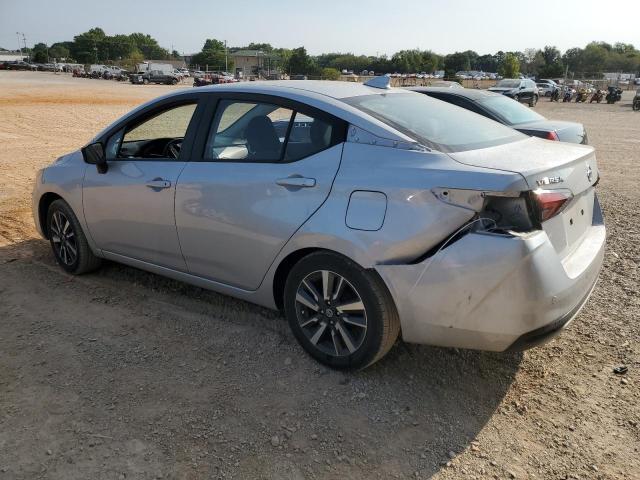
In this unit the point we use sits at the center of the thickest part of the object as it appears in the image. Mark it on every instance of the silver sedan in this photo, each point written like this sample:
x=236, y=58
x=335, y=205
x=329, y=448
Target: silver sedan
x=362, y=211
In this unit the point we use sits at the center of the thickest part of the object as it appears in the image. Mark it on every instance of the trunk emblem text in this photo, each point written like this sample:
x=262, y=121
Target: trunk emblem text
x=549, y=181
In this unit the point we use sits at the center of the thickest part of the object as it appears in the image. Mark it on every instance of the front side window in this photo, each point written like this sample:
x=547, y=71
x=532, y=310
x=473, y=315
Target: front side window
x=435, y=123
x=246, y=131
x=159, y=136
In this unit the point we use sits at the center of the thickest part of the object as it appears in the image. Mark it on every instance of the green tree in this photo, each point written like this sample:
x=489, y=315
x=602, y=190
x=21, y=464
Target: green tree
x=510, y=66
x=39, y=54
x=552, y=63
x=131, y=62
x=212, y=56
x=573, y=59
x=594, y=58
x=487, y=63
x=456, y=62
x=86, y=46
x=264, y=47
x=299, y=62
x=149, y=46
x=59, y=52
x=330, y=74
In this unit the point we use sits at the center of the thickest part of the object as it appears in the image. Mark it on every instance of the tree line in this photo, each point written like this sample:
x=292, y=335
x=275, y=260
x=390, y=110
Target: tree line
x=95, y=46
x=548, y=62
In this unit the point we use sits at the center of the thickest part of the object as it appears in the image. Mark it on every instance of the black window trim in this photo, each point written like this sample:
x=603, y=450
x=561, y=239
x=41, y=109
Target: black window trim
x=338, y=135
x=154, y=109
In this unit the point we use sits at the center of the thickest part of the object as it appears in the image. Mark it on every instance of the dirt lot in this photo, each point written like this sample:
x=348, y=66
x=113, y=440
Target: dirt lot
x=123, y=374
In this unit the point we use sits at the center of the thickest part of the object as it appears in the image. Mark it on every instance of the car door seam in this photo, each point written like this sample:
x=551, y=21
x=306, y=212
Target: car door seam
x=305, y=221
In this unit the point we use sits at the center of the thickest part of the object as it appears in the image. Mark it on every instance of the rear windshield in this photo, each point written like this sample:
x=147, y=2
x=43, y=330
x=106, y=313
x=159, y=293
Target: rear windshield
x=434, y=123
x=512, y=112
x=508, y=83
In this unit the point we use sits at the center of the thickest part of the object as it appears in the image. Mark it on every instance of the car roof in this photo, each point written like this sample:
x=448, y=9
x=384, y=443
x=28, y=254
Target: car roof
x=470, y=93
x=324, y=95
x=333, y=89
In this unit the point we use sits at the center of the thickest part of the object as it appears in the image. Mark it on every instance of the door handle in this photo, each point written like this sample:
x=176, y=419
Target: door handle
x=159, y=183
x=297, y=182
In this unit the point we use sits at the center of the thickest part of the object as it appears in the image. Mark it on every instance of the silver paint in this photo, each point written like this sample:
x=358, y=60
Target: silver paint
x=229, y=226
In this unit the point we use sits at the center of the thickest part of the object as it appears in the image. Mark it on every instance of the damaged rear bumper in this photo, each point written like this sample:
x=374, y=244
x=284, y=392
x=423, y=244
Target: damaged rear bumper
x=495, y=292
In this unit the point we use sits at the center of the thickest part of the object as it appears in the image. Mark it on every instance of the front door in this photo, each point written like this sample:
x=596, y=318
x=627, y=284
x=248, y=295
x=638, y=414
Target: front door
x=130, y=208
x=265, y=169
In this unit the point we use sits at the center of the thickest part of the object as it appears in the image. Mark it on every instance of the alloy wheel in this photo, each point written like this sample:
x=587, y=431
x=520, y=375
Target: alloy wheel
x=63, y=238
x=331, y=313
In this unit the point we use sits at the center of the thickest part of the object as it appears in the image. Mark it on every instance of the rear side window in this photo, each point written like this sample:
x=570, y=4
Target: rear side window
x=434, y=123
x=244, y=131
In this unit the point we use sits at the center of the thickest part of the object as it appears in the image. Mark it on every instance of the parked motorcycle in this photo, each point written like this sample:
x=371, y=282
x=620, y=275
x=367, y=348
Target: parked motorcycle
x=555, y=95
x=567, y=95
x=581, y=95
x=597, y=96
x=636, y=101
x=614, y=95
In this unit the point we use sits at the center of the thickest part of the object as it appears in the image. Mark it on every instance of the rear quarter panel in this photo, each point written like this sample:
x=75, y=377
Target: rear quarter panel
x=414, y=221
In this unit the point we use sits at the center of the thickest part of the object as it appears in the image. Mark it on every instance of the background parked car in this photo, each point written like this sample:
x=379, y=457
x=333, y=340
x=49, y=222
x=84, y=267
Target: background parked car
x=21, y=66
x=513, y=114
x=545, y=89
x=522, y=90
x=155, y=76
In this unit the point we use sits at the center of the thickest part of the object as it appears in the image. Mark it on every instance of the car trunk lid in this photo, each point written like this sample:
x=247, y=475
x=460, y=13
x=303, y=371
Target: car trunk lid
x=548, y=166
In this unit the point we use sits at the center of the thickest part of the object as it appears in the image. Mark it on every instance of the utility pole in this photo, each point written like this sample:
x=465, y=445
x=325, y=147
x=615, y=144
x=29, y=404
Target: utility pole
x=226, y=63
x=24, y=41
x=19, y=46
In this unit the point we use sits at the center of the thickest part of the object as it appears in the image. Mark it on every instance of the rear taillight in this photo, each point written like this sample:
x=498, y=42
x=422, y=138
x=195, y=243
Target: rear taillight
x=552, y=136
x=550, y=202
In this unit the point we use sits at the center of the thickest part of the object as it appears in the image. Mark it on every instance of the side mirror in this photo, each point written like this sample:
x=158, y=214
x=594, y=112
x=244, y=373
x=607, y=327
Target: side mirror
x=94, y=155
x=522, y=87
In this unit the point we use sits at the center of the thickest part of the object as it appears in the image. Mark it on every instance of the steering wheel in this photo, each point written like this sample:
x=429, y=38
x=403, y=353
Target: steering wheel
x=172, y=148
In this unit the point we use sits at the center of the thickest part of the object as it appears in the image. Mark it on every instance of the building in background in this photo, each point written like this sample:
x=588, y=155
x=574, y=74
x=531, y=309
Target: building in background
x=12, y=56
x=254, y=63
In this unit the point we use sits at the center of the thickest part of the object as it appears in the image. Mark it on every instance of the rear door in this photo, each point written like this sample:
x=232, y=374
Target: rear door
x=266, y=165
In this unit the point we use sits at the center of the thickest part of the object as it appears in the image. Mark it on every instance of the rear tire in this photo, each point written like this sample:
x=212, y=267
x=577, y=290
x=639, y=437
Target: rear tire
x=533, y=101
x=68, y=242
x=340, y=313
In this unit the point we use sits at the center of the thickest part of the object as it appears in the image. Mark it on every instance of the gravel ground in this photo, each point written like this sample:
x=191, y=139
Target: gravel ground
x=122, y=374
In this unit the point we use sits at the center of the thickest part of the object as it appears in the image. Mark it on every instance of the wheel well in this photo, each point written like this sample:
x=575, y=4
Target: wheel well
x=43, y=208
x=282, y=272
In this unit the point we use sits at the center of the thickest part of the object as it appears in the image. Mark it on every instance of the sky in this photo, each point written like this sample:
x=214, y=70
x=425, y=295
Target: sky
x=362, y=27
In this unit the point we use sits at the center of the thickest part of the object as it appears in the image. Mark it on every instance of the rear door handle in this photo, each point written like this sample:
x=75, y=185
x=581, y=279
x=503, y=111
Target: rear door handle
x=297, y=182
x=159, y=183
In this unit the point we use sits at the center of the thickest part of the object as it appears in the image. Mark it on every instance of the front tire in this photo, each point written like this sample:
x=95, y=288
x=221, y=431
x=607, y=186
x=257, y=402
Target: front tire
x=68, y=242
x=533, y=101
x=340, y=313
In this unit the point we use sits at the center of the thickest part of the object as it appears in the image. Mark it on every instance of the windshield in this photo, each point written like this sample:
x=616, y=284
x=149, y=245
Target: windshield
x=508, y=84
x=511, y=111
x=435, y=123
